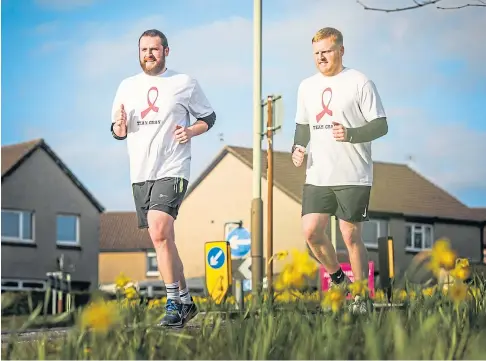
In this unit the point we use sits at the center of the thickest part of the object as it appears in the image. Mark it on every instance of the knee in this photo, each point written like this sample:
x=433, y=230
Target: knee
x=350, y=234
x=160, y=234
x=311, y=234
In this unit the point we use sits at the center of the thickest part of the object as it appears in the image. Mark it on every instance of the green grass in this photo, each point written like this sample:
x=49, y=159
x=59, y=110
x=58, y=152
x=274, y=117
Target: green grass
x=427, y=328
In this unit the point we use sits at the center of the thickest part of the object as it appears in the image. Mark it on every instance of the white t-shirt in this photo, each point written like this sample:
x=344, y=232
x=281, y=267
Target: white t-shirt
x=155, y=105
x=350, y=99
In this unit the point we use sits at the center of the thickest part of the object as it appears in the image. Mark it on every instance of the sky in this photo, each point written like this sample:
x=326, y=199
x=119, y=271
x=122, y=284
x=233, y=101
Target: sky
x=63, y=60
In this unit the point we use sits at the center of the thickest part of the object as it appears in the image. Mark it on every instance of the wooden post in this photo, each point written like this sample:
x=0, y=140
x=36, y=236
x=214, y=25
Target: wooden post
x=270, y=196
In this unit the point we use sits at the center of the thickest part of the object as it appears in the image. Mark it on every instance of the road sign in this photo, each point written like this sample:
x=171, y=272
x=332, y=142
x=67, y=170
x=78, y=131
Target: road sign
x=216, y=257
x=240, y=242
x=346, y=267
x=278, y=114
x=218, y=269
x=242, y=268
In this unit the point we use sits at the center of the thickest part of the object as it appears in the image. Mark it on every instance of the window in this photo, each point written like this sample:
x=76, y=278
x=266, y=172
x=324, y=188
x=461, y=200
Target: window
x=152, y=269
x=418, y=236
x=371, y=232
x=67, y=229
x=17, y=226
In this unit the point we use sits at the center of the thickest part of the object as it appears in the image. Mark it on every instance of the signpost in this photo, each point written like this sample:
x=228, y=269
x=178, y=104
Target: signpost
x=346, y=267
x=240, y=242
x=218, y=269
x=274, y=120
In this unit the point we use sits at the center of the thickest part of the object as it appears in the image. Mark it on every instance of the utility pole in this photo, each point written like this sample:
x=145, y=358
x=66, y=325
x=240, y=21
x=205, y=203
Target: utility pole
x=270, y=195
x=257, y=204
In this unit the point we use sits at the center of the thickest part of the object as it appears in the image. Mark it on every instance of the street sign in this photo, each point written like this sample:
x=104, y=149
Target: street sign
x=346, y=267
x=218, y=269
x=240, y=242
x=242, y=268
x=278, y=114
x=216, y=257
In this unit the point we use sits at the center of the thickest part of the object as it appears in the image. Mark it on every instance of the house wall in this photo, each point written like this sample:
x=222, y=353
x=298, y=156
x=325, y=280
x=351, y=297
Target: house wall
x=132, y=264
x=40, y=185
x=225, y=195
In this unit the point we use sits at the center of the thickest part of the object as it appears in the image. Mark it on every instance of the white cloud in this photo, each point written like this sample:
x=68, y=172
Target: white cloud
x=451, y=155
x=399, y=51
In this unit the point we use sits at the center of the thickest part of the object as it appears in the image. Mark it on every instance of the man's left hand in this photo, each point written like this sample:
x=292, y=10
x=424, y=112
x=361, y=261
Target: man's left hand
x=182, y=134
x=339, y=132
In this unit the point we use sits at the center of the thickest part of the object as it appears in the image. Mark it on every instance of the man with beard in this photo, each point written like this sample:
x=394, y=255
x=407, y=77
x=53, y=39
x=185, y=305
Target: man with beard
x=151, y=110
x=339, y=112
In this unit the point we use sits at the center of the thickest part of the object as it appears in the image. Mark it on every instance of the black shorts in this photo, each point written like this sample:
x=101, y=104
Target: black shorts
x=164, y=195
x=349, y=203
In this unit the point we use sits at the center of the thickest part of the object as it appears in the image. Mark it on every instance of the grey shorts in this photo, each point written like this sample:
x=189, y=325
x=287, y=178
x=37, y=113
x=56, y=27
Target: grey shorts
x=349, y=203
x=165, y=195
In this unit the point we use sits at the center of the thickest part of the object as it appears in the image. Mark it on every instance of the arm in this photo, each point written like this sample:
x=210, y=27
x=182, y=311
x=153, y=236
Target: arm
x=301, y=136
x=118, y=126
x=372, y=130
x=202, y=125
x=302, y=128
x=201, y=109
x=373, y=112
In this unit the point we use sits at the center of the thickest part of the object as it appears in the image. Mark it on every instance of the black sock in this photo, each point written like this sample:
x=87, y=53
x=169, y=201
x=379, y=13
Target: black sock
x=338, y=277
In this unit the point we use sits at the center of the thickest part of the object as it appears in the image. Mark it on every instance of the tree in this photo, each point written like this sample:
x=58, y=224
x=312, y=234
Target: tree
x=418, y=4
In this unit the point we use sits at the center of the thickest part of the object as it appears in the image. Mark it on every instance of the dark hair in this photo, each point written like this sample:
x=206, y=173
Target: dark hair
x=155, y=32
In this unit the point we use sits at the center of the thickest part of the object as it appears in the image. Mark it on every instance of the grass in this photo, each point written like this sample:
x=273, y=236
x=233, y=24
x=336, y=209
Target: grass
x=444, y=322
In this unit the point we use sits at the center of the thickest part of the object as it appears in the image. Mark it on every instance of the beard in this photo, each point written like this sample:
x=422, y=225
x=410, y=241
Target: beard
x=153, y=69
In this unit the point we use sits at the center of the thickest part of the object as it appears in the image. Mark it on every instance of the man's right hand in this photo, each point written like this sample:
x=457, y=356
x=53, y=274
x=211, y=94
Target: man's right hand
x=298, y=155
x=120, y=127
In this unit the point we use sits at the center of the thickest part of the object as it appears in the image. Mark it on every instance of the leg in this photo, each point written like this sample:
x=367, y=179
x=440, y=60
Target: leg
x=352, y=211
x=165, y=200
x=358, y=255
x=318, y=203
x=314, y=227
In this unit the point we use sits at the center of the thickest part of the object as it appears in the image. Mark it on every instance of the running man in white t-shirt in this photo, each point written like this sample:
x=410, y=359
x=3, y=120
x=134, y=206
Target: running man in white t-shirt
x=151, y=111
x=339, y=112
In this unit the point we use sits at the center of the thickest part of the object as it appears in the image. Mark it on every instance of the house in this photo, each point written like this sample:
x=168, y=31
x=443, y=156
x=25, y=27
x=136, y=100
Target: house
x=50, y=221
x=125, y=249
x=481, y=214
x=403, y=205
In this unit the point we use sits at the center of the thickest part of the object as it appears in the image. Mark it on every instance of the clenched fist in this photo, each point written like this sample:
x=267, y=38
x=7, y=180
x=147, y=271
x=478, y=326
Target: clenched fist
x=339, y=132
x=182, y=135
x=298, y=155
x=120, y=126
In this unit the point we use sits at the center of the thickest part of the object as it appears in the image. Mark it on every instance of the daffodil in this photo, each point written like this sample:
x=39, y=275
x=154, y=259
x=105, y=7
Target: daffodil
x=279, y=256
x=359, y=288
x=334, y=298
x=131, y=293
x=121, y=281
x=442, y=256
x=100, y=316
x=429, y=291
x=461, y=271
x=380, y=296
x=458, y=292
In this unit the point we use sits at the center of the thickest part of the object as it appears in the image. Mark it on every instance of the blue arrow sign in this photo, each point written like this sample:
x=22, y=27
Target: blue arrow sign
x=216, y=257
x=240, y=242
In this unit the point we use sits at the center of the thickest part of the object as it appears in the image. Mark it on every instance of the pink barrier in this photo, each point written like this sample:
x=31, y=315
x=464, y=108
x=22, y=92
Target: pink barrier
x=346, y=267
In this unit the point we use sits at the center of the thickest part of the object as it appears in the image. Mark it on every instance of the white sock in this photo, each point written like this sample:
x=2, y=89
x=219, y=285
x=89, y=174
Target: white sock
x=173, y=291
x=185, y=296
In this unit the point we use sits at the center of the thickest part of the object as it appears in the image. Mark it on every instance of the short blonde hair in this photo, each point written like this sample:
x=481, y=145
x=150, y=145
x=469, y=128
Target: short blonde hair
x=326, y=33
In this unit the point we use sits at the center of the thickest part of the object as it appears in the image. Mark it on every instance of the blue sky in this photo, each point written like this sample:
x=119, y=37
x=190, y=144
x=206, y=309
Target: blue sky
x=62, y=62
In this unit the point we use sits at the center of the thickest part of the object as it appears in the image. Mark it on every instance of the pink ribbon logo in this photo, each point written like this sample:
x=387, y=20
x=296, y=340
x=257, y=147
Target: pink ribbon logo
x=151, y=106
x=325, y=107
